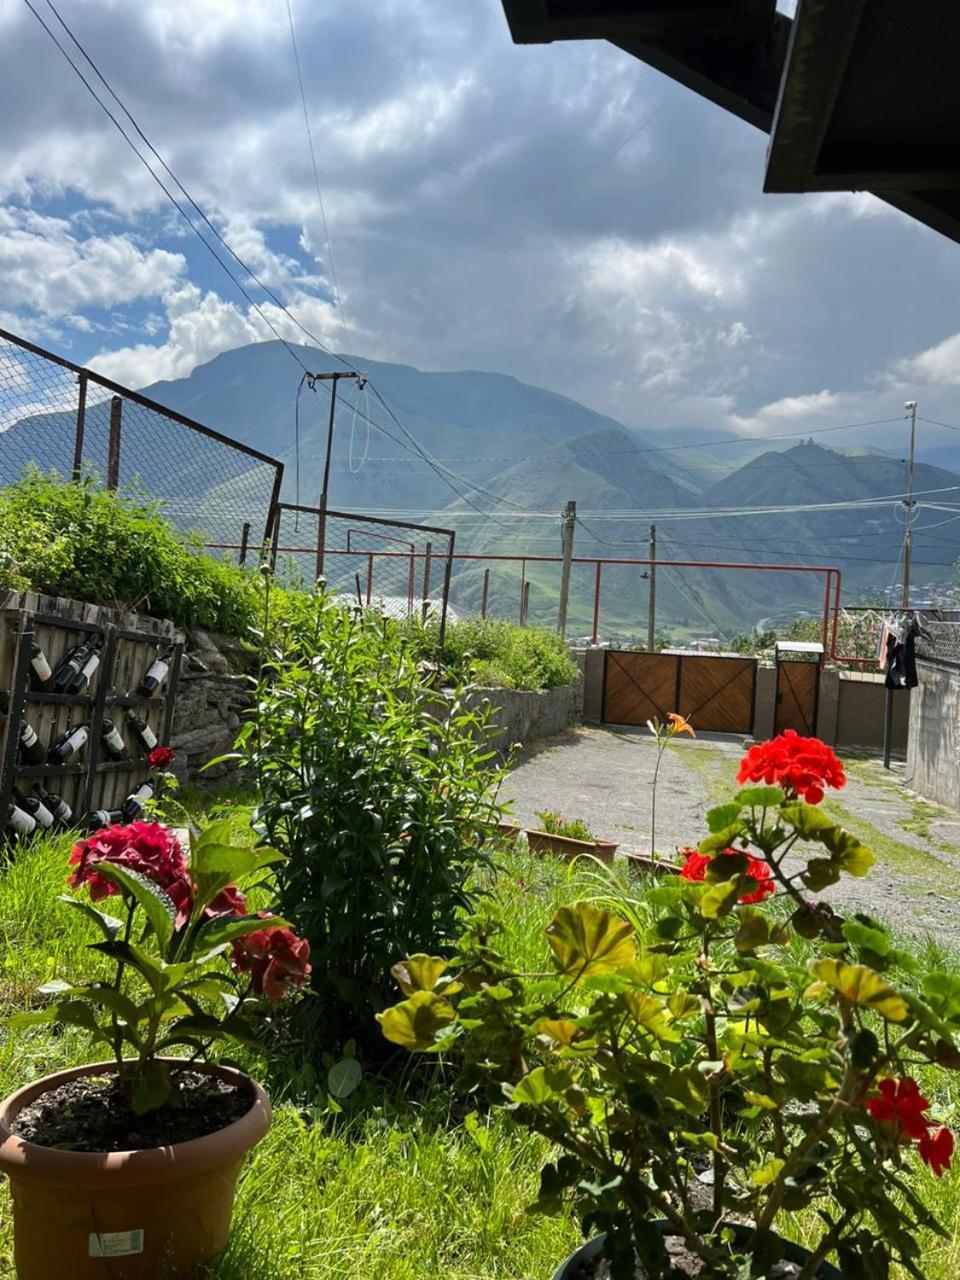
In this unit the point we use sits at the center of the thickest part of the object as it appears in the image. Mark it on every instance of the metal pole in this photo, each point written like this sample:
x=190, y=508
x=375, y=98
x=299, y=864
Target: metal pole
x=523, y=586
x=652, y=592
x=244, y=540
x=447, y=571
x=426, y=580
x=596, y=602
x=907, y=547
x=569, y=524
x=369, y=577
x=81, y=418
x=486, y=593
x=525, y=605
x=887, y=727
x=322, y=523
x=113, y=446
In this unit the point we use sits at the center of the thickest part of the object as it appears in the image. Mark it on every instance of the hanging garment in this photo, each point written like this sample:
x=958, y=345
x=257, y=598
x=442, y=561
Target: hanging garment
x=896, y=664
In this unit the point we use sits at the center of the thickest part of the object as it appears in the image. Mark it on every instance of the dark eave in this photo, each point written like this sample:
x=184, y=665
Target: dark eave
x=856, y=94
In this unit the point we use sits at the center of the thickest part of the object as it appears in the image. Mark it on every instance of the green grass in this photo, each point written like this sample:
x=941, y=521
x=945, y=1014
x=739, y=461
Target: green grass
x=395, y=1186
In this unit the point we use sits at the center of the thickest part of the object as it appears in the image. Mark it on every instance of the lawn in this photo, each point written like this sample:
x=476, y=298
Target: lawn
x=406, y=1181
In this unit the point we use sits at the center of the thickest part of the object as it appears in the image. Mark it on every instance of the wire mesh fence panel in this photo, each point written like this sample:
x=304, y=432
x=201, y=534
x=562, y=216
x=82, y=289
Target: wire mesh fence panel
x=59, y=417
x=400, y=569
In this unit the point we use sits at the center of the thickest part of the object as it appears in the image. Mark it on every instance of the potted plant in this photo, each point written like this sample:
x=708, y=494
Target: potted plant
x=744, y=1055
x=135, y=1159
x=568, y=838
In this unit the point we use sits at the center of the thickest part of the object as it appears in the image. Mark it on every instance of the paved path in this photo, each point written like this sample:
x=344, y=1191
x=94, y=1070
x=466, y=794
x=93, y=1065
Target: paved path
x=603, y=776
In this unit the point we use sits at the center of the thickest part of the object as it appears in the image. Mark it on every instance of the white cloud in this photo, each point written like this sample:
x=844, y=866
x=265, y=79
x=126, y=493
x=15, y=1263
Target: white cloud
x=791, y=411
x=940, y=363
x=46, y=268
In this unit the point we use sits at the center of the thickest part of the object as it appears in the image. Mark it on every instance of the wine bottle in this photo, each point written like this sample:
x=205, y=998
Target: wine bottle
x=102, y=818
x=69, y=742
x=35, y=807
x=146, y=736
x=135, y=803
x=70, y=665
x=86, y=673
x=20, y=822
x=62, y=813
x=41, y=677
x=112, y=740
x=157, y=672
x=33, y=750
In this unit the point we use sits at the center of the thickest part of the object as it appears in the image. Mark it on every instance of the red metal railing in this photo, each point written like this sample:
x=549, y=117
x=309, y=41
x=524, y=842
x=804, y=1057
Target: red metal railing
x=832, y=578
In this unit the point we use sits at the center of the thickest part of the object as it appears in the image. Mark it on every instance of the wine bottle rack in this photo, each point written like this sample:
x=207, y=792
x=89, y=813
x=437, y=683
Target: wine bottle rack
x=91, y=781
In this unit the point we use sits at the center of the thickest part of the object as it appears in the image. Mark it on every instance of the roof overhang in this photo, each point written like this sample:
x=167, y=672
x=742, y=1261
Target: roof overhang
x=856, y=94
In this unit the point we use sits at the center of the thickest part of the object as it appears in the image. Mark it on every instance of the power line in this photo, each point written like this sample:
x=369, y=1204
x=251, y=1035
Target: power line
x=316, y=174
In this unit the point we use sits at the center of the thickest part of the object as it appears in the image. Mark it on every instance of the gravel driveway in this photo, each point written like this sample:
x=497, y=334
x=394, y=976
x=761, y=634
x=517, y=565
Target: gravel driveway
x=603, y=776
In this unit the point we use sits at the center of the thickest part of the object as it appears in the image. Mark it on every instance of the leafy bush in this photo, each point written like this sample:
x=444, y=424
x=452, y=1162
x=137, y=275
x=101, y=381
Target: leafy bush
x=93, y=544
x=375, y=787
x=572, y=828
x=499, y=654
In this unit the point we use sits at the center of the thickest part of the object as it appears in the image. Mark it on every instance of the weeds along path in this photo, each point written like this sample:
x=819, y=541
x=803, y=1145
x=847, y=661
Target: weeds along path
x=603, y=776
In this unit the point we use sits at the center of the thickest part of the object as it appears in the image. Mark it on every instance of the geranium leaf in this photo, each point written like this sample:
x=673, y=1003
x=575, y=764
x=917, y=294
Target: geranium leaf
x=861, y=986
x=761, y=797
x=157, y=906
x=418, y=973
x=722, y=839
x=539, y=1086
x=414, y=1023
x=723, y=816
x=719, y=900
x=651, y=1015
x=587, y=940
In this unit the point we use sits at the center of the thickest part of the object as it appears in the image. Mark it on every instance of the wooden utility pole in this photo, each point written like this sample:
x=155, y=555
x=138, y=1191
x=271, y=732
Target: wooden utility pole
x=652, y=592
x=911, y=406
x=569, y=524
x=333, y=378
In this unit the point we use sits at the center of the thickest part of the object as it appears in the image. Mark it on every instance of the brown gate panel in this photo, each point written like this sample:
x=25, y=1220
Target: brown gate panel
x=798, y=691
x=717, y=694
x=638, y=687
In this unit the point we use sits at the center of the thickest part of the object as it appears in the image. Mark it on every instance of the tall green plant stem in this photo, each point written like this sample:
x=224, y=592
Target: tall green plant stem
x=661, y=747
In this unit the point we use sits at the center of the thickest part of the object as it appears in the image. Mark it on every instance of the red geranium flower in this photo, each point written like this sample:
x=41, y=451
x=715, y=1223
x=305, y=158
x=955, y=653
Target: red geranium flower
x=695, y=868
x=160, y=758
x=801, y=766
x=146, y=847
x=936, y=1150
x=276, y=959
x=902, y=1104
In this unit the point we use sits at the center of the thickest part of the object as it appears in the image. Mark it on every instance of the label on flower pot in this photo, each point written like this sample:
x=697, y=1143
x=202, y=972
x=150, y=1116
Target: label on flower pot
x=115, y=1244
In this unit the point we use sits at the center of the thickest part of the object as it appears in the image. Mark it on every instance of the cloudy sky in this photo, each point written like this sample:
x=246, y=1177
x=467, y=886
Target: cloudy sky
x=561, y=213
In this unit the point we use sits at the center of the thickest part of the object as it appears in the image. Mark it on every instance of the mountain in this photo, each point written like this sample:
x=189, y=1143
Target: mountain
x=455, y=442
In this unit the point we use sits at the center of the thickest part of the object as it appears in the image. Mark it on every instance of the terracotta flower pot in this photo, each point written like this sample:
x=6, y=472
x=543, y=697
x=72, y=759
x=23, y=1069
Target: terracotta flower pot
x=593, y=1248
x=566, y=847
x=509, y=830
x=643, y=865
x=126, y=1215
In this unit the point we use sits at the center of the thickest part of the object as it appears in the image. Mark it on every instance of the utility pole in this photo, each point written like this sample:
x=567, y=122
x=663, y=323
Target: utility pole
x=911, y=407
x=333, y=379
x=569, y=524
x=652, y=592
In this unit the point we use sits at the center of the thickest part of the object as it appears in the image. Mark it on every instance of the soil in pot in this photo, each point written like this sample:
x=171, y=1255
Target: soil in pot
x=91, y=1114
x=685, y=1263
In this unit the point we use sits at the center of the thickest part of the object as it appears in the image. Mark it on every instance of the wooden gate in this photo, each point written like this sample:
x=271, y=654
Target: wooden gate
x=715, y=694
x=798, y=696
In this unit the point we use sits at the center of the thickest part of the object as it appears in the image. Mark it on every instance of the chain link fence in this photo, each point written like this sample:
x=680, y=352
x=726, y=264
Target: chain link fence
x=60, y=417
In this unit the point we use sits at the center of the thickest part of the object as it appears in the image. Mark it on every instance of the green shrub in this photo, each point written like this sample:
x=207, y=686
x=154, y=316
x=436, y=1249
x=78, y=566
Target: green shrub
x=499, y=654
x=572, y=828
x=93, y=544
x=376, y=788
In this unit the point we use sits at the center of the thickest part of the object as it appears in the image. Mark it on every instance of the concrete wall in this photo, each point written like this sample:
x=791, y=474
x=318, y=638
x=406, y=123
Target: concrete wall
x=861, y=710
x=933, y=752
x=523, y=718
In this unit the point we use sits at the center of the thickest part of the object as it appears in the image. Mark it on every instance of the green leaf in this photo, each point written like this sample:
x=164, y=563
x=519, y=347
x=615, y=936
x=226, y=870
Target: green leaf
x=110, y=926
x=760, y=797
x=721, y=840
x=942, y=990
x=867, y=938
x=109, y=998
x=820, y=873
x=723, y=816
x=683, y=1005
x=651, y=1015
x=344, y=1077
x=767, y=1173
x=157, y=905
x=419, y=973
x=719, y=900
x=415, y=1022
x=539, y=1086
x=155, y=972
x=223, y=929
x=587, y=940
x=808, y=822
x=862, y=986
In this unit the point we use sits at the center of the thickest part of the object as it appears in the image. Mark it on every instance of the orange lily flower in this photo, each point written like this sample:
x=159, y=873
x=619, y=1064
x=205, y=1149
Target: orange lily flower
x=679, y=725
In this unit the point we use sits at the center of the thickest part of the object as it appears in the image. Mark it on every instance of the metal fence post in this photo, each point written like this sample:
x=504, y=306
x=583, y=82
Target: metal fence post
x=244, y=539
x=426, y=580
x=596, y=603
x=526, y=603
x=81, y=419
x=369, y=577
x=486, y=593
x=113, y=447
